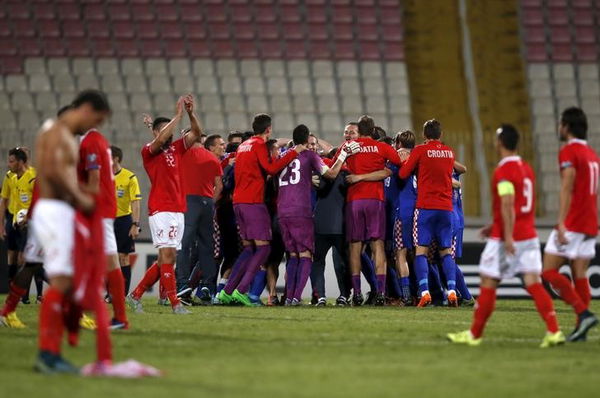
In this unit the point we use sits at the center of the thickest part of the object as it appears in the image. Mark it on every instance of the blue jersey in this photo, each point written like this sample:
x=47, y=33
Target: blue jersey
x=407, y=198
x=457, y=203
x=391, y=189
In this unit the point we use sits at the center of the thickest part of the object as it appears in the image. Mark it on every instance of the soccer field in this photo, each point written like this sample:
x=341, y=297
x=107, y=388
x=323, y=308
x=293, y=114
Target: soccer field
x=318, y=352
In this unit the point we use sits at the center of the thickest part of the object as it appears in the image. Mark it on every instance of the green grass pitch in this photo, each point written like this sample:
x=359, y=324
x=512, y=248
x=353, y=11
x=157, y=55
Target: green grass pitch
x=318, y=352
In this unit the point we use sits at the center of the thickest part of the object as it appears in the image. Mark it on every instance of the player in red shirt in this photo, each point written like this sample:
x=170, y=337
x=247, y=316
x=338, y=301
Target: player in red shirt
x=365, y=208
x=251, y=165
x=434, y=162
x=574, y=238
x=166, y=203
x=95, y=174
x=512, y=244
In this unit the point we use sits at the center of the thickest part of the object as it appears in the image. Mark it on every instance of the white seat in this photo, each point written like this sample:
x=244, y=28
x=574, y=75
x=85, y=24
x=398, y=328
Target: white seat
x=160, y=84
x=396, y=87
x=280, y=103
x=254, y=85
x=203, y=67
x=349, y=87
x=331, y=123
x=62, y=83
x=377, y=104
x=46, y=101
x=373, y=85
x=543, y=123
x=542, y=106
x=83, y=66
x=22, y=102
x=273, y=67
x=39, y=83
x=156, y=67
x=399, y=105
x=237, y=121
x=565, y=88
x=395, y=69
x=183, y=84
x=257, y=104
x=540, y=88
x=15, y=83
x=87, y=81
x=164, y=101
x=588, y=71
x=179, y=67
x=210, y=103
x=301, y=85
x=347, y=69
x=400, y=123
x=140, y=102
x=563, y=71
x=234, y=103
x=226, y=67
x=327, y=104
x=35, y=65
x=308, y=119
x=136, y=84
x=277, y=85
x=283, y=124
x=121, y=121
x=303, y=103
x=112, y=83
x=591, y=106
x=58, y=66
x=538, y=71
x=28, y=122
x=250, y=68
x=371, y=69
x=118, y=101
x=231, y=85
x=206, y=85
x=107, y=66
x=132, y=67
x=352, y=104
x=322, y=69
x=7, y=121
x=298, y=68
x=214, y=121
x=566, y=102
x=325, y=85
x=589, y=88
x=4, y=102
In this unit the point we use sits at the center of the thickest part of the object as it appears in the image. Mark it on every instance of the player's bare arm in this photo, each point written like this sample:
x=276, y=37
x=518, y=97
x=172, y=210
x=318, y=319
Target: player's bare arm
x=456, y=184
x=378, y=175
x=459, y=167
x=408, y=166
x=3, y=206
x=195, y=128
x=166, y=133
x=134, y=231
x=507, y=207
x=92, y=186
x=567, y=180
x=348, y=149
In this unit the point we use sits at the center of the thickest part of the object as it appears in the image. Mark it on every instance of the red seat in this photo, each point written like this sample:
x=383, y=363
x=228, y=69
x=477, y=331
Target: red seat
x=171, y=30
x=365, y=3
x=343, y=31
x=191, y=13
x=270, y=2
x=94, y=12
x=558, y=16
x=290, y=13
x=586, y=52
x=316, y=14
x=271, y=49
x=219, y=31
x=557, y=3
x=535, y=34
x=393, y=17
x=295, y=49
x=11, y=65
x=74, y=29
x=24, y=28
x=126, y=48
x=532, y=3
x=533, y=16
x=134, y=2
x=293, y=31
x=560, y=34
x=336, y=3
x=117, y=12
x=537, y=53
x=561, y=52
x=103, y=48
x=247, y=49
x=175, y=48
x=215, y=13
x=264, y=13
x=195, y=31
x=77, y=48
x=44, y=11
x=585, y=34
x=268, y=31
x=316, y=2
x=234, y=2
x=393, y=52
x=240, y=13
x=4, y=29
x=29, y=48
x=371, y=33
x=318, y=32
x=53, y=48
x=147, y=30
x=583, y=17
x=69, y=12
x=48, y=29
x=223, y=49
x=150, y=48
x=18, y=10
x=166, y=13
x=123, y=30
x=98, y=29
x=366, y=15
x=164, y=1
x=586, y=4
x=320, y=50
x=142, y=13
x=344, y=50
x=342, y=15
x=388, y=4
x=392, y=33
x=198, y=48
x=8, y=50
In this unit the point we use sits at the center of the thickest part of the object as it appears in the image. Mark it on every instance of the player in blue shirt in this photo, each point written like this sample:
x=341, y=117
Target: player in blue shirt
x=458, y=226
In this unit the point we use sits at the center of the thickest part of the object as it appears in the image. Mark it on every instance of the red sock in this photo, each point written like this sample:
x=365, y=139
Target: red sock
x=167, y=276
x=565, y=289
x=116, y=289
x=150, y=277
x=71, y=315
x=582, y=286
x=544, y=305
x=103, y=344
x=483, y=309
x=12, y=300
x=51, y=321
x=162, y=294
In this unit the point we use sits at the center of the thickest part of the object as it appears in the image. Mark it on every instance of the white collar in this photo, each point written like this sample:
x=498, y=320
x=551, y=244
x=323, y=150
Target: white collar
x=577, y=141
x=514, y=158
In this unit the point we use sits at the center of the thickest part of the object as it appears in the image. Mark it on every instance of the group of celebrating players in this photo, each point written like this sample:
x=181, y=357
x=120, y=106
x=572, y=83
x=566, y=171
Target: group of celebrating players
x=390, y=209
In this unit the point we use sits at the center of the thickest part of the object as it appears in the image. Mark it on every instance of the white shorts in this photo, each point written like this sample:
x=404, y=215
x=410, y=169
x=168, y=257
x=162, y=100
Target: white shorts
x=33, y=252
x=110, y=241
x=495, y=263
x=54, y=228
x=579, y=246
x=166, y=229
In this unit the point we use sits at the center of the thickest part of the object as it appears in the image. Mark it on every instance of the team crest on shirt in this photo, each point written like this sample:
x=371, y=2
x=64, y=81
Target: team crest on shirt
x=92, y=158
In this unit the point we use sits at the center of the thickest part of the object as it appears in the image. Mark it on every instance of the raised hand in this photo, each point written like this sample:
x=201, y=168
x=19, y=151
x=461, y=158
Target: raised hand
x=188, y=102
x=147, y=120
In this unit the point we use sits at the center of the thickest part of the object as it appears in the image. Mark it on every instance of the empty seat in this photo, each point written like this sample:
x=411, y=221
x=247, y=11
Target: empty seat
x=542, y=107
x=237, y=121
x=210, y=103
x=28, y=121
x=540, y=88
x=39, y=83
x=234, y=103
x=398, y=105
x=46, y=102
x=538, y=71
x=589, y=88
x=112, y=83
x=250, y=67
x=214, y=121
x=303, y=103
x=298, y=68
x=300, y=85
x=107, y=66
x=395, y=69
x=327, y=104
x=347, y=69
x=565, y=88
x=322, y=68
x=83, y=66
x=121, y=120
x=257, y=103
x=377, y=104
x=183, y=84
x=226, y=67
x=164, y=101
x=58, y=66
x=156, y=67
x=277, y=85
x=131, y=67
x=231, y=85
x=331, y=123
x=588, y=71
x=349, y=86
x=372, y=86
x=280, y=103
x=203, y=67
x=371, y=69
x=14, y=83
x=22, y=101
x=566, y=102
x=136, y=84
x=254, y=85
x=352, y=104
x=140, y=102
x=206, y=85
x=179, y=67
x=591, y=105
x=4, y=103
x=87, y=81
x=35, y=65
x=283, y=123
x=7, y=120
x=274, y=68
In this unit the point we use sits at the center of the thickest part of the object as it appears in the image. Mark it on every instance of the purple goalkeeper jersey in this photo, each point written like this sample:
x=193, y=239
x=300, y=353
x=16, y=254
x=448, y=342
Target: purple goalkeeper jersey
x=295, y=185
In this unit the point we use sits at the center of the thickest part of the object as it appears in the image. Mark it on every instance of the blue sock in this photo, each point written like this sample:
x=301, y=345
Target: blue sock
x=393, y=283
x=449, y=267
x=461, y=285
x=437, y=287
x=405, y=286
x=221, y=285
x=368, y=270
x=258, y=285
x=422, y=273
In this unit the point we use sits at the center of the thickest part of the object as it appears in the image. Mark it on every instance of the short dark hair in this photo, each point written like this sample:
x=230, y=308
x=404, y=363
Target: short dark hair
x=576, y=121
x=379, y=133
x=300, y=134
x=247, y=135
x=158, y=121
x=62, y=110
x=508, y=136
x=366, y=125
x=19, y=154
x=235, y=134
x=232, y=147
x=96, y=98
x=332, y=152
x=387, y=140
x=210, y=140
x=117, y=153
x=261, y=123
x=352, y=124
x=312, y=135
x=432, y=129
x=406, y=139
x=270, y=144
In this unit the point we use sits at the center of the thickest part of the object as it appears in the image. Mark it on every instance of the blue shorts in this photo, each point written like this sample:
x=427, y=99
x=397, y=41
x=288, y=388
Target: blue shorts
x=457, y=236
x=433, y=225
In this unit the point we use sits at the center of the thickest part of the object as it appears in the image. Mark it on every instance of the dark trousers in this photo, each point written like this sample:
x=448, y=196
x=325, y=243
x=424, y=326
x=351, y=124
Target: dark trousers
x=340, y=263
x=197, y=245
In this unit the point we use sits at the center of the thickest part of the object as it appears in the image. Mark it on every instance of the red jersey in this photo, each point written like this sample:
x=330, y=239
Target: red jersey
x=251, y=164
x=164, y=170
x=199, y=168
x=94, y=154
x=583, y=212
x=372, y=157
x=516, y=171
x=433, y=163
x=226, y=159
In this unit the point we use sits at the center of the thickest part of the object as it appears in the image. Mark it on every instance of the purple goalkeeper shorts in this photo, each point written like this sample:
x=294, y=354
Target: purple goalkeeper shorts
x=365, y=220
x=298, y=234
x=254, y=221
